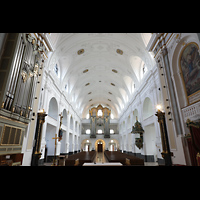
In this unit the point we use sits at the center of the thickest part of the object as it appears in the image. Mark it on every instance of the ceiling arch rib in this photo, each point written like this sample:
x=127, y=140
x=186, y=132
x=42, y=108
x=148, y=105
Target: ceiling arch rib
x=98, y=71
x=104, y=87
x=100, y=54
x=100, y=94
x=100, y=80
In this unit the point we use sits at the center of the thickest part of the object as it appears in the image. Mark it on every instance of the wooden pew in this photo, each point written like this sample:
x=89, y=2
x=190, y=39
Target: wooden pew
x=125, y=159
x=82, y=158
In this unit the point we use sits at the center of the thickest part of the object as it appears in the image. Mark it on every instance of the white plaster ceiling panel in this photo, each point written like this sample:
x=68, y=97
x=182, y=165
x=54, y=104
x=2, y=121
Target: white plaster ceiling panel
x=98, y=60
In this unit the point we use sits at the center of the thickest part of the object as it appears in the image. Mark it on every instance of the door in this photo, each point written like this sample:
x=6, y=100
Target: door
x=99, y=147
x=112, y=147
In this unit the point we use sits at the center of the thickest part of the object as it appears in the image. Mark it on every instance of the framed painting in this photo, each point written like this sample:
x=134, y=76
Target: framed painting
x=190, y=67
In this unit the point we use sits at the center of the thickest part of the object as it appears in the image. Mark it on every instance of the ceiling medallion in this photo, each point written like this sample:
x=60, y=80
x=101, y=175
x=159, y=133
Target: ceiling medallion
x=81, y=51
x=85, y=71
x=112, y=84
x=87, y=84
x=114, y=70
x=119, y=51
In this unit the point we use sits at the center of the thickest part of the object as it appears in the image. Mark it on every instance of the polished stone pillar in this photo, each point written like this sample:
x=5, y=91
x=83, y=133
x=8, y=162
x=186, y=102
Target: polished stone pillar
x=38, y=132
x=166, y=154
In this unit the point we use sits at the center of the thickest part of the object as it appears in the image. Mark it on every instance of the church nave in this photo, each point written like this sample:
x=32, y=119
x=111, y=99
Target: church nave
x=97, y=94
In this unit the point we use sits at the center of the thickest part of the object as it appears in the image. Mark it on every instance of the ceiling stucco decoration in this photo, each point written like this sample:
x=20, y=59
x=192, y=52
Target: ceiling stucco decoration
x=119, y=51
x=100, y=54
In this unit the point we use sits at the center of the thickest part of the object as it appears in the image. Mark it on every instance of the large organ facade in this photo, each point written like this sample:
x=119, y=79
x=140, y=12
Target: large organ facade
x=100, y=121
x=22, y=57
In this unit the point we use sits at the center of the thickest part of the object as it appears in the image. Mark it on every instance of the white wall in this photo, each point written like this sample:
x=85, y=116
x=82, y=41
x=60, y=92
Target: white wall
x=70, y=142
x=143, y=105
x=93, y=140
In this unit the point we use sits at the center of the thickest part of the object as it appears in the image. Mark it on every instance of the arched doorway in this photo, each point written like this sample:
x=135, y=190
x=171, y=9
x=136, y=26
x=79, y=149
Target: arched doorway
x=113, y=145
x=86, y=145
x=100, y=145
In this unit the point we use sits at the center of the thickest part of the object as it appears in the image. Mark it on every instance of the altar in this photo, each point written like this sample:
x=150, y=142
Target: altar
x=103, y=164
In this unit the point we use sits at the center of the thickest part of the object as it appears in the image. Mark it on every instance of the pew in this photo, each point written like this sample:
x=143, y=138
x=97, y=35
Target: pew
x=80, y=158
x=125, y=159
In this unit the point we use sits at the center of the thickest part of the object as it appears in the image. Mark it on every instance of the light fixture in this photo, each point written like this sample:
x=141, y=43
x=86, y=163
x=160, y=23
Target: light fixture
x=41, y=111
x=159, y=107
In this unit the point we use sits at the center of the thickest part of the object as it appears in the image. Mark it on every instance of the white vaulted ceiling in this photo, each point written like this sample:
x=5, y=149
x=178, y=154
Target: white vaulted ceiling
x=100, y=60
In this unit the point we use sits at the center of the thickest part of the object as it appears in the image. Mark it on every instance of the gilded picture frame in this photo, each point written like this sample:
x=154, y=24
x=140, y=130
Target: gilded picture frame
x=189, y=64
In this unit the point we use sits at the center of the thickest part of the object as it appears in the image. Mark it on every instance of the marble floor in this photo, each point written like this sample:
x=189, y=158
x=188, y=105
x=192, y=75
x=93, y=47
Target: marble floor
x=151, y=164
x=100, y=158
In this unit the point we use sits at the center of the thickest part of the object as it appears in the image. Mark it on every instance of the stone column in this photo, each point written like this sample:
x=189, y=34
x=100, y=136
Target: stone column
x=170, y=88
x=38, y=133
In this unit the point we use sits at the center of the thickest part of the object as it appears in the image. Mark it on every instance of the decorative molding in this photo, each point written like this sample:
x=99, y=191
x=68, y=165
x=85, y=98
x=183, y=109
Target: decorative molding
x=50, y=81
x=191, y=112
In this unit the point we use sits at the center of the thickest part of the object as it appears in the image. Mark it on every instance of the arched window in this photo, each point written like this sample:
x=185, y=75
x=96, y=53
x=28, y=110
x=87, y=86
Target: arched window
x=64, y=117
x=99, y=131
x=71, y=122
x=53, y=108
x=65, y=87
x=100, y=113
x=56, y=69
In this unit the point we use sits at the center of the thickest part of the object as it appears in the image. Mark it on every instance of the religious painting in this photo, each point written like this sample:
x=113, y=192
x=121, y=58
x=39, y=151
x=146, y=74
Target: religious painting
x=190, y=66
